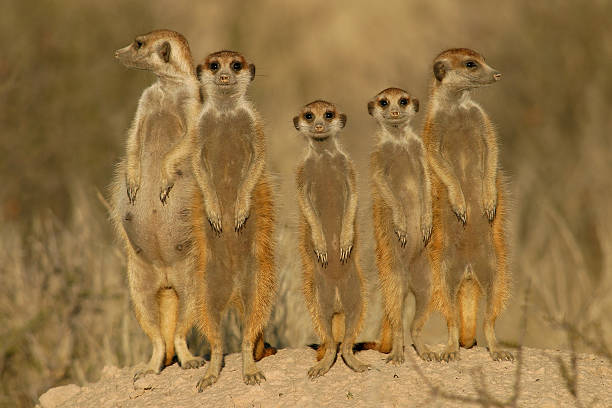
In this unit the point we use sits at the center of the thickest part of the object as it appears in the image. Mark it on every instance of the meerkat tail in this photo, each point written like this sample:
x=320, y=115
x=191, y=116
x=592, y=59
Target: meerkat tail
x=468, y=296
x=168, y=309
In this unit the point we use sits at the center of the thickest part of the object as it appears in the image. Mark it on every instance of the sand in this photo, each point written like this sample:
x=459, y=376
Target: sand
x=384, y=385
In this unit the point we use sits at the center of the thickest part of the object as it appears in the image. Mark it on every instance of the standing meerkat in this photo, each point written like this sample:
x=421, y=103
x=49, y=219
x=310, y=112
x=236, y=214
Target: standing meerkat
x=161, y=253
x=402, y=220
x=229, y=166
x=468, y=249
x=333, y=283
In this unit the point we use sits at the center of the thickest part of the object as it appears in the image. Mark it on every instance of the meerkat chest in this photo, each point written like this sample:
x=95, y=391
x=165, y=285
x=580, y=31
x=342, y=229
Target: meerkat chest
x=227, y=146
x=462, y=141
x=403, y=166
x=328, y=180
x=162, y=130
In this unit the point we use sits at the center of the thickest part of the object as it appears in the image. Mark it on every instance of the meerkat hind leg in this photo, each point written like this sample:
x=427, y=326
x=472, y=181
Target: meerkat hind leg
x=493, y=309
x=451, y=351
x=324, y=299
x=212, y=329
x=184, y=322
x=352, y=304
x=421, y=313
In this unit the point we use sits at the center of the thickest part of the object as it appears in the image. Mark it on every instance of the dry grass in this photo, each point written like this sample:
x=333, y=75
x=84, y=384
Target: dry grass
x=65, y=105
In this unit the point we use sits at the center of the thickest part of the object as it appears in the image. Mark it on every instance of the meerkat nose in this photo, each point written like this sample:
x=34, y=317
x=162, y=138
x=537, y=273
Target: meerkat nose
x=117, y=54
x=318, y=127
x=497, y=75
x=224, y=78
x=395, y=114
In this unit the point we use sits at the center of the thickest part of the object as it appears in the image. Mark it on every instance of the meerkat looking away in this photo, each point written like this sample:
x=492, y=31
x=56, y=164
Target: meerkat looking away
x=327, y=196
x=468, y=248
x=229, y=166
x=402, y=220
x=162, y=274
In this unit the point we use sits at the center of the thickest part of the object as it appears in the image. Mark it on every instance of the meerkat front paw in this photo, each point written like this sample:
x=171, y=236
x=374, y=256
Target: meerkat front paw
x=346, y=247
x=213, y=214
x=490, y=203
x=243, y=209
x=402, y=236
x=132, y=185
x=457, y=202
x=167, y=182
x=426, y=228
x=320, y=250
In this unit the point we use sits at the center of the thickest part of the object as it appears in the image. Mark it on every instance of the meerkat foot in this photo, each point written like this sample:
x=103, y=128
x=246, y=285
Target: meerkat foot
x=143, y=373
x=206, y=381
x=450, y=355
x=320, y=368
x=396, y=357
x=195, y=362
x=354, y=363
x=429, y=356
x=253, y=377
x=501, y=355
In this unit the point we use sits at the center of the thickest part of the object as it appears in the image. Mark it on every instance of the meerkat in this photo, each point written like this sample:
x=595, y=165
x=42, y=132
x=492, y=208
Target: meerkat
x=468, y=249
x=229, y=166
x=161, y=253
x=333, y=283
x=402, y=213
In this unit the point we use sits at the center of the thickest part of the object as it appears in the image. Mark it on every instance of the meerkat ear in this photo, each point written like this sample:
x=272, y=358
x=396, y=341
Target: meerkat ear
x=371, y=108
x=199, y=69
x=439, y=70
x=342, y=118
x=164, y=51
x=252, y=69
x=415, y=102
x=296, y=122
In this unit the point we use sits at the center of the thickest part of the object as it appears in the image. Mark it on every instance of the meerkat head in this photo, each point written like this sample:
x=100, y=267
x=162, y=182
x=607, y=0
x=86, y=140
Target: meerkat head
x=225, y=73
x=319, y=120
x=164, y=52
x=393, y=107
x=463, y=69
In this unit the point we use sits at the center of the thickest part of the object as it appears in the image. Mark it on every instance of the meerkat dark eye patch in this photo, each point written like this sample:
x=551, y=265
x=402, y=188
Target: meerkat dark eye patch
x=213, y=66
x=252, y=69
x=403, y=101
x=236, y=66
x=164, y=51
x=329, y=115
x=371, y=107
x=383, y=102
x=439, y=70
x=308, y=116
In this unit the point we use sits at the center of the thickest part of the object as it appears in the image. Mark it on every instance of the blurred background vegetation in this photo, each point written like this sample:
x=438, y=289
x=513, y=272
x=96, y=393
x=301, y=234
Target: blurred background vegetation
x=65, y=105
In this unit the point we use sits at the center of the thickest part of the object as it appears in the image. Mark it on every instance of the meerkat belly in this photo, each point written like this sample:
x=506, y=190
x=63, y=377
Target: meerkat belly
x=329, y=199
x=228, y=152
x=160, y=233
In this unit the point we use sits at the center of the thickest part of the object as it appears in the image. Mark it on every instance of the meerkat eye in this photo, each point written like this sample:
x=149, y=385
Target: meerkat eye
x=471, y=64
x=403, y=101
x=329, y=115
x=138, y=44
x=383, y=102
x=308, y=116
x=236, y=66
x=213, y=66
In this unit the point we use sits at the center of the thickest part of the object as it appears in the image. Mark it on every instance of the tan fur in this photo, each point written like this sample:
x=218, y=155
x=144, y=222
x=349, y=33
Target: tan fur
x=402, y=214
x=333, y=283
x=468, y=248
x=228, y=160
x=161, y=252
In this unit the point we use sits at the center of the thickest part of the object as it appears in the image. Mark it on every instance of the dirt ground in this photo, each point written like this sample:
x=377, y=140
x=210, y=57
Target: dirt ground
x=467, y=382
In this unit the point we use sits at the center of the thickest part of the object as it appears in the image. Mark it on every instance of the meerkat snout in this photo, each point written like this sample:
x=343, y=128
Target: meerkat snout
x=497, y=76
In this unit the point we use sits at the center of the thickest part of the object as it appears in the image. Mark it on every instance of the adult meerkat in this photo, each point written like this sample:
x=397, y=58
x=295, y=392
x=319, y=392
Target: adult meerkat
x=229, y=166
x=327, y=196
x=402, y=213
x=468, y=245
x=161, y=252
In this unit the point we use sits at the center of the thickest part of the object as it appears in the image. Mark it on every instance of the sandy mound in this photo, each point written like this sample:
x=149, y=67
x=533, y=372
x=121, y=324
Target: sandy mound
x=541, y=383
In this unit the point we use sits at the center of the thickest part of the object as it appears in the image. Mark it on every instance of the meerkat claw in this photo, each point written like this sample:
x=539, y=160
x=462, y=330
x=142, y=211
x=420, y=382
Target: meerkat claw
x=165, y=193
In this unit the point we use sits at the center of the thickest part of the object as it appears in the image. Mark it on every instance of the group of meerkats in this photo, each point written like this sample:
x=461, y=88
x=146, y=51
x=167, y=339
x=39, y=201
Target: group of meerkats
x=193, y=204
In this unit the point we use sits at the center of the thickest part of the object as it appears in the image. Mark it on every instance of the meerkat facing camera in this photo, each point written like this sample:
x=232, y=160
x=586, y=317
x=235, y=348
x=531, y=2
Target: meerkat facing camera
x=161, y=252
x=229, y=166
x=469, y=250
x=402, y=213
x=333, y=281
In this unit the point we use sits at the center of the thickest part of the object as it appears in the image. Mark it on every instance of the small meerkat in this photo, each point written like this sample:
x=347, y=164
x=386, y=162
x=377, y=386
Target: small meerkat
x=161, y=253
x=468, y=249
x=327, y=196
x=402, y=213
x=229, y=166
